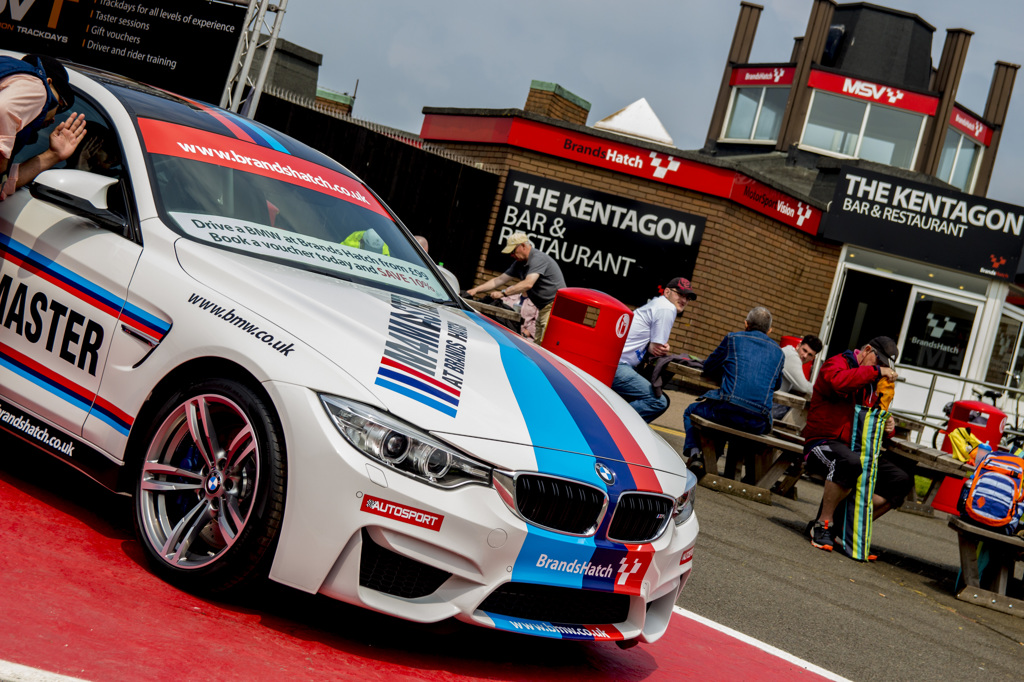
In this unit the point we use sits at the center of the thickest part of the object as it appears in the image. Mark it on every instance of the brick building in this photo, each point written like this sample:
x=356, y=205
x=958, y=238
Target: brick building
x=842, y=187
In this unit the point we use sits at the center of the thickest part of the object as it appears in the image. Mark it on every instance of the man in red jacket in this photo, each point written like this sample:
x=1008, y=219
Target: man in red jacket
x=846, y=380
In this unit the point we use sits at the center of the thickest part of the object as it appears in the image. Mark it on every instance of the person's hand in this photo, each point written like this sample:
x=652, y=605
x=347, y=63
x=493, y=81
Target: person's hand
x=472, y=292
x=91, y=150
x=658, y=350
x=890, y=424
x=496, y=294
x=888, y=373
x=66, y=136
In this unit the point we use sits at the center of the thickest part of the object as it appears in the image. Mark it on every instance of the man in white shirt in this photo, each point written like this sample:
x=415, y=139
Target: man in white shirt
x=648, y=334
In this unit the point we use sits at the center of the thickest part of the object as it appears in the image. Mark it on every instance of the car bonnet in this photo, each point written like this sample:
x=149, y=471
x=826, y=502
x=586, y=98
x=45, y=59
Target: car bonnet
x=443, y=369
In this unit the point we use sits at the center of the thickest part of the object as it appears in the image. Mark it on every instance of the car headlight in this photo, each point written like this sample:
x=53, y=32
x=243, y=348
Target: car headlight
x=402, y=447
x=684, y=503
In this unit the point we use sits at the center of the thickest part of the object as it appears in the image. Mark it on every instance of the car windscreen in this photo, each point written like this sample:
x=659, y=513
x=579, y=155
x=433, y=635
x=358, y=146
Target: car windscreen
x=266, y=203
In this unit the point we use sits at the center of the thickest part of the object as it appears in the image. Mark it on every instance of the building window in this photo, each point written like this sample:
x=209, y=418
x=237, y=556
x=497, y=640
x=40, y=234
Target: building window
x=861, y=130
x=756, y=113
x=958, y=164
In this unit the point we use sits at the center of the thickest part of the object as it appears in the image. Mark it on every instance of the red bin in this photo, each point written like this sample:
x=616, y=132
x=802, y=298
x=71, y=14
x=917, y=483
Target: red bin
x=588, y=328
x=985, y=422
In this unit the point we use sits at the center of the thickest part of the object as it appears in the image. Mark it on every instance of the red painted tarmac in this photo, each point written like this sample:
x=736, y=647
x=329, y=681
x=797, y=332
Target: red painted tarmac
x=77, y=600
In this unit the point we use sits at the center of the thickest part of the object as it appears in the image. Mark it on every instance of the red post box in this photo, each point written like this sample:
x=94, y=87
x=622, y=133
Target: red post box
x=588, y=328
x=985, y=422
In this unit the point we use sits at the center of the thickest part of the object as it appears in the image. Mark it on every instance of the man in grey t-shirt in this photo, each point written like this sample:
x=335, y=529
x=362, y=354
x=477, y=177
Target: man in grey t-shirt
x=539, y=275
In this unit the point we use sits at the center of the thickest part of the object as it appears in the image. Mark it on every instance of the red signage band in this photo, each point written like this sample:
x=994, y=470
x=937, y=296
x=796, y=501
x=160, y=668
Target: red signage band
x=624, y=158
x=400, y=512
x=873, y=92
x=762, y=75
x=171, y=139
x=771, y=202
x=970, y=126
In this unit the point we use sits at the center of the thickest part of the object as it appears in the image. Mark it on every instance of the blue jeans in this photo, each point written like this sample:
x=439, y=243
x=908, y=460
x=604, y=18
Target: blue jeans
x=637, y=391
x=725, y=414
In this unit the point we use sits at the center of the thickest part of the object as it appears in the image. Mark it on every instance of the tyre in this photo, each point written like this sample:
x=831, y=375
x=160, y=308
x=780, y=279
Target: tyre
x=210, y=492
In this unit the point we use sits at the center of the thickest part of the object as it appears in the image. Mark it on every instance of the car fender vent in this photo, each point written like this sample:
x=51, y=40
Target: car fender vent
x=385, y=571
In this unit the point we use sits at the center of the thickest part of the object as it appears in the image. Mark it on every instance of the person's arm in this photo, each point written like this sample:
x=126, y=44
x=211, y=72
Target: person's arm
x=846, y=381
x=713, y=365
x=21, y=101
x=63, y=141
x=661, y=327
x=523, y=286
x=490, y=285
x=793, y=370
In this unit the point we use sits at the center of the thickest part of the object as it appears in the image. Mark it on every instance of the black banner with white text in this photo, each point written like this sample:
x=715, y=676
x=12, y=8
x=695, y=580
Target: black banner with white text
x=184, y=46
x=926, y=223
x=620, y=246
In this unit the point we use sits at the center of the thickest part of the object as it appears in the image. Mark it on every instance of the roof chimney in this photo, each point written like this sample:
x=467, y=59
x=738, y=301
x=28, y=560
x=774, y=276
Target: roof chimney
x=554, y=101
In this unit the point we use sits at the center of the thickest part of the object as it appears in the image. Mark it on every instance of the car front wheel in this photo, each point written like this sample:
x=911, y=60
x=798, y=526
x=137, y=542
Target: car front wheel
x=209, y=497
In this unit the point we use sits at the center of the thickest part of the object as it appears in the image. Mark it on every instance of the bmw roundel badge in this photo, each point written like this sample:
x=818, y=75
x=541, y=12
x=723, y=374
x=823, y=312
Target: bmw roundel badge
x=606, y=474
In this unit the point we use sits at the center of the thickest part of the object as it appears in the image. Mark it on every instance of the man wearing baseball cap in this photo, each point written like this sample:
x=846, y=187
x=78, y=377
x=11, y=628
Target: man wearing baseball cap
x=846, y=380
x=648, y=335
x=538, y=274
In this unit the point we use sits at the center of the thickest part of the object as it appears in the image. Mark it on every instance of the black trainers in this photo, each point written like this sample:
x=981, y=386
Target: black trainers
x=821, y=535
x=696, y=465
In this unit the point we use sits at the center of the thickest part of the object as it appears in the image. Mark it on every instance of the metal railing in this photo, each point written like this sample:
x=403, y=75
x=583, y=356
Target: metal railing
x=938, y=421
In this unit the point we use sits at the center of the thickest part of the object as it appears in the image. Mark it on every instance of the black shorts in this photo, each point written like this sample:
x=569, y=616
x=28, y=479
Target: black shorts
x=836, y=462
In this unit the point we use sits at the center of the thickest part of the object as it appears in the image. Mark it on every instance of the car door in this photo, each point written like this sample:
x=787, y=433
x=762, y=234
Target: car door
x=63, y=283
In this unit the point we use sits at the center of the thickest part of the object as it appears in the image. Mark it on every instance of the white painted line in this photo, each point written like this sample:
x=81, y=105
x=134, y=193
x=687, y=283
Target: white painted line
x=12, y=672
x=768, y=648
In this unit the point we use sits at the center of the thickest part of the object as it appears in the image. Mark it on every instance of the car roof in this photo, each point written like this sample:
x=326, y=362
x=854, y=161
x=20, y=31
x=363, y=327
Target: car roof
x=146, y=101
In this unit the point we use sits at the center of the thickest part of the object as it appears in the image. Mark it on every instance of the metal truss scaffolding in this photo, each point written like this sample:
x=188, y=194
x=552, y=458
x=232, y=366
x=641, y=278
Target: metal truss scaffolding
x=258, y=26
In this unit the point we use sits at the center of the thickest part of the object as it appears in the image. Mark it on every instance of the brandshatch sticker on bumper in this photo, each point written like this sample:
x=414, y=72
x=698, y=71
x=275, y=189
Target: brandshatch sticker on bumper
x=399, y=512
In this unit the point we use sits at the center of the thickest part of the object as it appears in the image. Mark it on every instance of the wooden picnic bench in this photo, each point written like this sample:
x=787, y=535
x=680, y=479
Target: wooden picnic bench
x=494, y=311
x=771, y=462
x=930, y=463
x=1004, y=551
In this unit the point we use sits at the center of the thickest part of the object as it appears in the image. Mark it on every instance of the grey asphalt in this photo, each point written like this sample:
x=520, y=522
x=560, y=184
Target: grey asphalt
x=896, y=618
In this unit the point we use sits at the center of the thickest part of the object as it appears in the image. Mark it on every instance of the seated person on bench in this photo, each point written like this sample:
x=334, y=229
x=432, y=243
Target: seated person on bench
x=748, y=366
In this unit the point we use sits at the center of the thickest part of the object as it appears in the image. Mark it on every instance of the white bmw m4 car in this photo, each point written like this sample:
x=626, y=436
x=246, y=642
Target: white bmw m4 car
x=234, y=330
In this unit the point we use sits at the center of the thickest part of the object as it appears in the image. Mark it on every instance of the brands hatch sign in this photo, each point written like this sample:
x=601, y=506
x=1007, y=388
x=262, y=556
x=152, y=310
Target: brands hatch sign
x=184, y=46
x=926, y=223
x=620, y=157
x=622, y=247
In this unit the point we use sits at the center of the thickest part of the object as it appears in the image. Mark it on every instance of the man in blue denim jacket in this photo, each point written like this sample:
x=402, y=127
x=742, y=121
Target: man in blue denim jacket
x=748, y=366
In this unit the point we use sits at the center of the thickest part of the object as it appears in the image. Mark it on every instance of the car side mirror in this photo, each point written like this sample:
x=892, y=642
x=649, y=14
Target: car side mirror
x=81, y=193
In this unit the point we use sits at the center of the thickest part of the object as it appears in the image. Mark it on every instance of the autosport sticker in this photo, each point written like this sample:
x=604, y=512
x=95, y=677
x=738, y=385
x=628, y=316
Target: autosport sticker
x=419, y=362
x=399, y=512
x=271, y=242
x=607, y=633
x=183, y=142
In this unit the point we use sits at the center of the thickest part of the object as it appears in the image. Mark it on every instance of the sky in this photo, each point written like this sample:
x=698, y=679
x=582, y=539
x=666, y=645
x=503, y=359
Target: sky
x=409, y=54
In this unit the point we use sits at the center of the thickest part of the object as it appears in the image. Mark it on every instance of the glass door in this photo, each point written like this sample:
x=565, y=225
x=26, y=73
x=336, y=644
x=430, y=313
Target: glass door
x=1006, y=362
x=938, y=332
x=869, y=305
